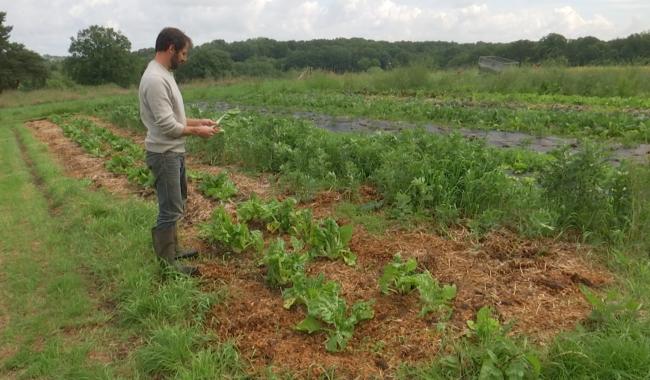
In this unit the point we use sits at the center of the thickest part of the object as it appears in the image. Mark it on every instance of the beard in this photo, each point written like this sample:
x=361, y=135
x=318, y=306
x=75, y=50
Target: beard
x=175, y=61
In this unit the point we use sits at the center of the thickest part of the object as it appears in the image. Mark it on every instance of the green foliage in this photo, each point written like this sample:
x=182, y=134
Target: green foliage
x=277, y=216
x=169, y=349
x=126, y=156
x=399, y=276
x=205, y=62
x=613, y=343
x=326, y=310
x=589, y=194
x=254, y=210
x=125, y=116
x=328, y=239
x=611, y=307
x=282, y=266
x=486, y=352
x=435, y=298
x=323, y=238
x=222, y=231
x=100, y=55
x=420, y=174
x=21, y=68
x=218, y=187
x=460, y=105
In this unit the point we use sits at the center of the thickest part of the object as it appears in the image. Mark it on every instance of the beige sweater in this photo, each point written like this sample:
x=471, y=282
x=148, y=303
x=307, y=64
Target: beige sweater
x=162, y=110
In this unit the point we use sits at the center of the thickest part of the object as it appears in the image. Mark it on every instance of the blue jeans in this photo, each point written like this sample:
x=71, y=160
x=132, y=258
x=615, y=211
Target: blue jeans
x=171, y=186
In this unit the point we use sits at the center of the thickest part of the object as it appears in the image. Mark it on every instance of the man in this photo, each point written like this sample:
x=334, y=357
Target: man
x=163, y=113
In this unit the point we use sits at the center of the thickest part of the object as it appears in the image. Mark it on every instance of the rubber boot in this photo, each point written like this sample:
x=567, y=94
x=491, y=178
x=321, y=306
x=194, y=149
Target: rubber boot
x=183, y=253
x=164, y=244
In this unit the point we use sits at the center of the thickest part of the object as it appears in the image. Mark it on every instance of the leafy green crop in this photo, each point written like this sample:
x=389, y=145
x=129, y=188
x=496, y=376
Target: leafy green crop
x=218, y=187
x=276, y=215
x=282, y=266
x=434, y=298
x=326, y=310
x=126, y=156
x=400, y=276
x=496, y=355
x=221, y=230
x=324, y=239
x=330, y=240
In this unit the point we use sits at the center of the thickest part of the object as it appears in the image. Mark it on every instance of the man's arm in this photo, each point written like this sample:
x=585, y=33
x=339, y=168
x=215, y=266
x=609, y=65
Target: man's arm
x=201, y=127
x=197, y=122
x=200, y=130
x=160, y=104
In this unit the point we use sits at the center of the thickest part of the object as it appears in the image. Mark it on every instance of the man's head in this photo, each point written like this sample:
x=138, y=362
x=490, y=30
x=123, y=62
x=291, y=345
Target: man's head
x=172, y=47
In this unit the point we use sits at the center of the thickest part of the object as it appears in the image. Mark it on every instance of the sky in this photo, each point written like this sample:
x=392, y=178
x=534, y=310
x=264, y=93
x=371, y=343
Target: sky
x=46, y=26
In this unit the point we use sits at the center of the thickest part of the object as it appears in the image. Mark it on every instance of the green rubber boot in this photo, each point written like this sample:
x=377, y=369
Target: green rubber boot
x=183, y=253
x=164, y=244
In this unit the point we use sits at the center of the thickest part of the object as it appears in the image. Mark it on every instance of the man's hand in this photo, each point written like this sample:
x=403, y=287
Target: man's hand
x=200, y=122
x=204, y=131
x=208, y=122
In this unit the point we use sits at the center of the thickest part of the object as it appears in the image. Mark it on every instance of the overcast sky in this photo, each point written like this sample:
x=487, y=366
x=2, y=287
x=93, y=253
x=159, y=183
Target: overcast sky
x=47, y=25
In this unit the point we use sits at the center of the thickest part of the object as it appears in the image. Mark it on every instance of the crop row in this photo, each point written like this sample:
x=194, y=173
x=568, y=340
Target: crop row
x=326, y=309
x=602, y=122
x=447, y=178
x=127, y=158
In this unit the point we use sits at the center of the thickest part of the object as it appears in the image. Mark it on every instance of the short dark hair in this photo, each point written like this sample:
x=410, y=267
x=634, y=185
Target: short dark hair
x=172, y=36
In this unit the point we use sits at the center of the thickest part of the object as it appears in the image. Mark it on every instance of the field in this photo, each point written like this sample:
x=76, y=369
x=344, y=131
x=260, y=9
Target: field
x=402, y=224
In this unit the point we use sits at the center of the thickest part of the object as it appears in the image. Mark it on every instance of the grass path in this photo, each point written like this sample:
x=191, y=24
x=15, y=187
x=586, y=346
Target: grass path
x=80, y=293
x=54, y=321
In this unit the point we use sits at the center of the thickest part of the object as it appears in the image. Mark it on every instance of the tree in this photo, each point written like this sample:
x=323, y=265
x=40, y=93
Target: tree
x=18, y=65
x=552, y=46
x=586, y=50
x=5, y=31
x=205, y=62
x=101, y=55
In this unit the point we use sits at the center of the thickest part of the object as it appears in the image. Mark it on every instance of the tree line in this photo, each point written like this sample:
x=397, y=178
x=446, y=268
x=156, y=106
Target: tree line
x=100, y=55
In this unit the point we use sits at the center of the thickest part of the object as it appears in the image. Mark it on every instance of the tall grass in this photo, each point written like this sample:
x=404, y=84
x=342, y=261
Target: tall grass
x=600, y=81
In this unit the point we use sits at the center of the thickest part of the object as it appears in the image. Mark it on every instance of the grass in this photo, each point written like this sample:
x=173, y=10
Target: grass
x=602, y=81
x=80, y=287
x=598, y=122
x=83, y=296
x=19, y=98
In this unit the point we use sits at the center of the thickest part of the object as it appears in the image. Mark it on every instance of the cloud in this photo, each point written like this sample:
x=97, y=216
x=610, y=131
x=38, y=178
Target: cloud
x=206, y=20
x=573, y=21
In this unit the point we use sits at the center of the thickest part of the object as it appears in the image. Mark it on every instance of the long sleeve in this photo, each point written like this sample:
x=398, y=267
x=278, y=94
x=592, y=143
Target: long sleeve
x=161, y=110
x=157, y=96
